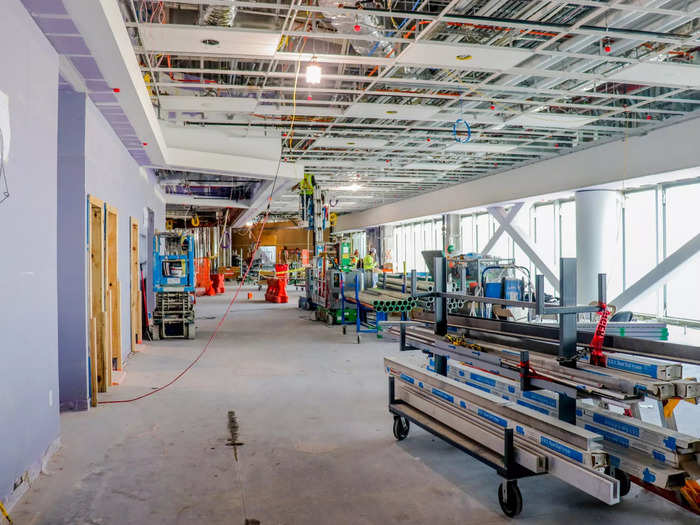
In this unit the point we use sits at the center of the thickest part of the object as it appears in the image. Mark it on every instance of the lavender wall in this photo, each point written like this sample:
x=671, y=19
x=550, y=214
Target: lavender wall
x=72, y=256
x=113, y=176
x=29, y=422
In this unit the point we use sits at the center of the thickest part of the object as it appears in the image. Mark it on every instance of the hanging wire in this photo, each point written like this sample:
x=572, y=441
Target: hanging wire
x=4, y=188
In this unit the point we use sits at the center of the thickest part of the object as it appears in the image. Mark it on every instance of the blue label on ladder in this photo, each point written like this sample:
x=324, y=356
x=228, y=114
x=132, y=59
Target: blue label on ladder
x=492, y=417
x=617, y=425
x=609, y=436
x=482, y=379
x=407, y=378
x=561, y=449
x=443, y=395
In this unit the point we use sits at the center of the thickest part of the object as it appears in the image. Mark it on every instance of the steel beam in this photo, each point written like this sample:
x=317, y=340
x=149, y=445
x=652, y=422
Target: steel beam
x=501, y=230
x=522, y=240
x=659, y=273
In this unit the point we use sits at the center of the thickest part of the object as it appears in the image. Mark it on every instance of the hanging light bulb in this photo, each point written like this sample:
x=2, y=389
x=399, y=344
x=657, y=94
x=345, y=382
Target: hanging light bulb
x=313, y=72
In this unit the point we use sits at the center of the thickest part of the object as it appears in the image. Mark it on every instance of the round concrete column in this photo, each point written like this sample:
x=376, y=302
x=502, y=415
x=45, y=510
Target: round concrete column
x=597, y=244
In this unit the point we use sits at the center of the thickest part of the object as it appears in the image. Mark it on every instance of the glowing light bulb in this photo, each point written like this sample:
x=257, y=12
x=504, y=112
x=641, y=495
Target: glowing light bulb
x=313, y=72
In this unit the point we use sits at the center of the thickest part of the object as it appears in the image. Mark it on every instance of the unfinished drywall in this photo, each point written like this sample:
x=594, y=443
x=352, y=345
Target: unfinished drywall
x=28, y=275
x=114, y=176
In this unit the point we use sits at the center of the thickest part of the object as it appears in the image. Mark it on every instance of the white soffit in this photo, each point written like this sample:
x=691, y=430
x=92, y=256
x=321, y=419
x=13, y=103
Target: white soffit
x=349, y=142
x=438, y=166
x=550, y=120
x=313, y=111
x=223, y=104
x=188, y=40
x=437, y=54
x=660, y=72
x=481, y=147
x=391, y=111
x=470, y=118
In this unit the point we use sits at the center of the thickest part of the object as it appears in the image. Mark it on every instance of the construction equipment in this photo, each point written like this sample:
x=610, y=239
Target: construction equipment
x=174, y=285
x=527, y=399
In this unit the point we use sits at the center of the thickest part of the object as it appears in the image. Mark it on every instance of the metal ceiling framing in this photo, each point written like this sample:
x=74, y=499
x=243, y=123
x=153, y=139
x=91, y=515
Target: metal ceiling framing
x=533, y=78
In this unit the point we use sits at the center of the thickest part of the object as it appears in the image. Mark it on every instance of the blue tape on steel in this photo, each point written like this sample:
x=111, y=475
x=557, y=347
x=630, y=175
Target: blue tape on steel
x=520, y=430
x=670, y=443
x=579, y=412
x=492, y=417
x=511, y=389
x=540, y=398
x=482, y=379
x=614, y=460
x=617, y=425
x=461, y=373
x=532, y=407
x=408, y=379
x=609, y=436
x=648, y=476
x=561, y=449
x=420, y=384
x=658, y=456
x=462, y=404
x=443, y=395
x=505, y=397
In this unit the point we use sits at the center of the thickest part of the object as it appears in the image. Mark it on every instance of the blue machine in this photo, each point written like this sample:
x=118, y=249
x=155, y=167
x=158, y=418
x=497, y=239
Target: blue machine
x=174, y=262
x=174, y=284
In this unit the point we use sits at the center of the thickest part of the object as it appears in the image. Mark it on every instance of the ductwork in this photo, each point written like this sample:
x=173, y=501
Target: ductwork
x=369, y=26
x=217, y=16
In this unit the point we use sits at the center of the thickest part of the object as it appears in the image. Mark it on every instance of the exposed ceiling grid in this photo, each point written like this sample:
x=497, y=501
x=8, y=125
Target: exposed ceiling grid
x=531, y=78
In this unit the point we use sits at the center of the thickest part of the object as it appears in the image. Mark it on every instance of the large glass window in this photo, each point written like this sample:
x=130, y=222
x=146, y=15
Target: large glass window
x=640, y=246
x=567, y=225
x=482, y=231
x=683, y=289
x=466, y=227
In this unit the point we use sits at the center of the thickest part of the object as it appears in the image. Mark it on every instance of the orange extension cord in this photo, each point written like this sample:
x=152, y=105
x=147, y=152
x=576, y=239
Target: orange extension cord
x=214, y=333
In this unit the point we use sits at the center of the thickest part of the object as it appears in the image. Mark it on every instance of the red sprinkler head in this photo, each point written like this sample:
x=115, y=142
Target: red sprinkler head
x=607, y=49
x=493, y=106
x=357, y=28
x=648, y=117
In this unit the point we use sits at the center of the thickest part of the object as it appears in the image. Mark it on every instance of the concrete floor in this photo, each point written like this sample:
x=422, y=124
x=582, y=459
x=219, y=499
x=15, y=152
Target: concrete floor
x=311, y=405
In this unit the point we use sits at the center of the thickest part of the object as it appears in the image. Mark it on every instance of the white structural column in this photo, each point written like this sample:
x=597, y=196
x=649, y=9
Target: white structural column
x=453, y=236
x=597, y=242
x=522, y=240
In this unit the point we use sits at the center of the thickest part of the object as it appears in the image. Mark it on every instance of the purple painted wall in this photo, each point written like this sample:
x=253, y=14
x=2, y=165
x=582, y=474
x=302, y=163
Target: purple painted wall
x=28, y=275
x=113, y=176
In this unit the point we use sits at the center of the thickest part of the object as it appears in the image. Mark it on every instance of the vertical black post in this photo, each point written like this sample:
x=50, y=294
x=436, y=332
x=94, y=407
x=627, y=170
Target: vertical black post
x=440, y=274
x=602, y=288
x=391, y=390
x=567, y=321
x=567, y=409
x=440, y=364
x=508, y=452
x=524, y=370
x=402, y=331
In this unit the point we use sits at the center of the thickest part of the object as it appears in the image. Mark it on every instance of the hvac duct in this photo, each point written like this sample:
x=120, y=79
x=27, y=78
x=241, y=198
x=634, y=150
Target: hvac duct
x=369, y=26
x=217, y=16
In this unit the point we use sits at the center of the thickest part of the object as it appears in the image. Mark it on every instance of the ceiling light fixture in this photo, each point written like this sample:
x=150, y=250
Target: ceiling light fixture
x=313, y=72
x=464, y=57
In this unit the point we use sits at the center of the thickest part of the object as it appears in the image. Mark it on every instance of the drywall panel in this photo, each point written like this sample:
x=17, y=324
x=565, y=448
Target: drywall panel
x=29, y=397
x=664, y=149
x=112, y=174
x=459, y=56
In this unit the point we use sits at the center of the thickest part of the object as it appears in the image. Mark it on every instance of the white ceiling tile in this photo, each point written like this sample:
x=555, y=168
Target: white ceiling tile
x=223, y=104
x=483, y=147
x=443, y=55
x=660, y=73
x=391, y=111
x=348, y=142
x=184, y=39
x=438, y=166
x=550, y=120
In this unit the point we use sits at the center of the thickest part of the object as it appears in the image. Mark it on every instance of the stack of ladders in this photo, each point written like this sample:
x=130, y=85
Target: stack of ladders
x=542, y=443
x=654, y=454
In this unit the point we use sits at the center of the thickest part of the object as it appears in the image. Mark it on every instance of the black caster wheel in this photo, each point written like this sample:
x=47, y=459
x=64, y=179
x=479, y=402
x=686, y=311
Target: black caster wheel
x=301, y=302
x=359, y=340
x=401, y=427
x=345, y=329
x=625, y=483
x=512, y=502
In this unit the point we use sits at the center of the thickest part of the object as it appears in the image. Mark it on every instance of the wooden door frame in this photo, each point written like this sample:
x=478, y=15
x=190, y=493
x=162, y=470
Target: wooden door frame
x=135, y=278
x=113, y=284
x=100, y=351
